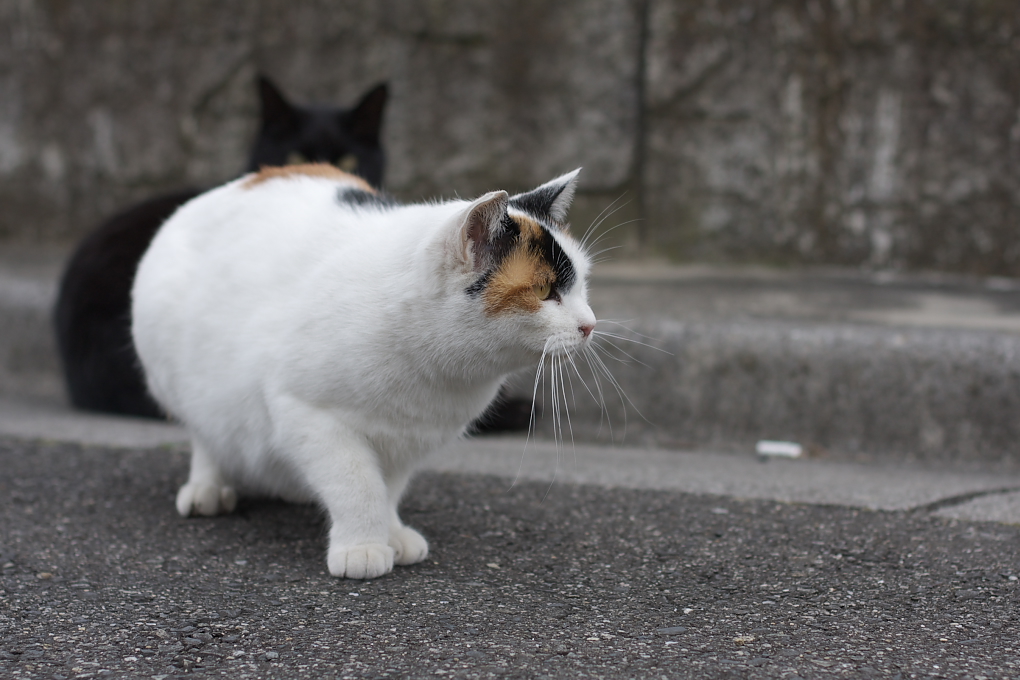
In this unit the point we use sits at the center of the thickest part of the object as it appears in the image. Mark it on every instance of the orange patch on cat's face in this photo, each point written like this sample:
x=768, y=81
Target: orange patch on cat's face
x=512, y=286
x=308, y=170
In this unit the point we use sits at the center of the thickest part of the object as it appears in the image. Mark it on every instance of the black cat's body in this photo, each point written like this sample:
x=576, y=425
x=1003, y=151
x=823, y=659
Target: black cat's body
x=92, y=315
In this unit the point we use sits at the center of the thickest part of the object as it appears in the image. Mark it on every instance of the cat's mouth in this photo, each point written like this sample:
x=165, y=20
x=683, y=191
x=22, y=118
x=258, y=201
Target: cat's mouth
x=566, y=343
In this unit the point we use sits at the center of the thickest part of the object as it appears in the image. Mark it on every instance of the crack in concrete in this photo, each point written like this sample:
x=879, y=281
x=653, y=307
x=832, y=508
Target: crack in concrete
x=962, y=498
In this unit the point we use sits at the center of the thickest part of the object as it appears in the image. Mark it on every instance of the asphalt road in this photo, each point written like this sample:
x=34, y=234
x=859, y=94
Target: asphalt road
x=100, y=577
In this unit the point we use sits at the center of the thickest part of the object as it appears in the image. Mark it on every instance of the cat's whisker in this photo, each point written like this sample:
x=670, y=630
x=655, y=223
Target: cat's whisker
x=610, y=351
x=599, y=399
x=602, y=217
x=622, y=323
x=532, y=421
x=629, y=357
x=554, y=401
x=570, y=381
x=604, y=334
x=600, y=365
x=604, y=250
x=577, y=371
x=557, y=426
x=603, y=260
x=604, y=415
x=565, y=412
x=597, y=238
x=606, y=233
x=566, y=408
x=619, y=388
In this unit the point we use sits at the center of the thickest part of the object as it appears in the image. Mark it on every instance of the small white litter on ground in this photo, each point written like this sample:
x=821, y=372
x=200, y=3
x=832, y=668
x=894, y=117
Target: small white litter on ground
x=781, y=449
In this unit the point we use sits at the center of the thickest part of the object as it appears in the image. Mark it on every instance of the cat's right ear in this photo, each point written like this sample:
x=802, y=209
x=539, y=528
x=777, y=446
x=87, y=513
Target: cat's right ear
x=483, y=225
x=278, y=115
x=551, y=200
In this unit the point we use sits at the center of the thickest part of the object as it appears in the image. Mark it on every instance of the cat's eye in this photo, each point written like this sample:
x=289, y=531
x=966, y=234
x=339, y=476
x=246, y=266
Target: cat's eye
x=543, y=290
x=348, y=163
x=295, y=158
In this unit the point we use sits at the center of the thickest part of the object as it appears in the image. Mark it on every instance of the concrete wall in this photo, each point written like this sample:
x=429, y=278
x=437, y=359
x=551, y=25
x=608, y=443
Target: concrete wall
x=855, y=132
x=850, y=132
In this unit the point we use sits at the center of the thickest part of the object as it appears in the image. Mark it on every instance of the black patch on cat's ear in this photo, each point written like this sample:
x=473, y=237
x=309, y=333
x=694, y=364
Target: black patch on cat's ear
x=278, y=115
x=365, y=119
x=551, y=201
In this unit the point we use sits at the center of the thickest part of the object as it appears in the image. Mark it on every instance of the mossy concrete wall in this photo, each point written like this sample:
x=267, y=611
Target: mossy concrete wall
x=851, y=132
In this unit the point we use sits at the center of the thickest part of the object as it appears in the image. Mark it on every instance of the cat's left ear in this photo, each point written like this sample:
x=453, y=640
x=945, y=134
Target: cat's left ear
x=551, y=200
x=365, y=119
x=482, y=231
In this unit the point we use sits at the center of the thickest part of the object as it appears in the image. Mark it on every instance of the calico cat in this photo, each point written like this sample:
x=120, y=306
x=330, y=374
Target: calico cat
x=317, y=339
x=92, y=315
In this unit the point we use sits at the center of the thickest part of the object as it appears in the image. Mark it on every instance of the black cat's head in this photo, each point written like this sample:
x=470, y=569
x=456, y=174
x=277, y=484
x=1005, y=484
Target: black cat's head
x=347, y=138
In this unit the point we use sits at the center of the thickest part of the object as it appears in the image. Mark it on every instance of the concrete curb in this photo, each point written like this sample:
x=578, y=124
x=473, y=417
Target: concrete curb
x=902, y=367
x=976, y=493
x=933, y=394
x=923, y=368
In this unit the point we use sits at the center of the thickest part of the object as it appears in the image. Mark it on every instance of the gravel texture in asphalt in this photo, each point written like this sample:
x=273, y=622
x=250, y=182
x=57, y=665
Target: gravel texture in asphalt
x=100, y=577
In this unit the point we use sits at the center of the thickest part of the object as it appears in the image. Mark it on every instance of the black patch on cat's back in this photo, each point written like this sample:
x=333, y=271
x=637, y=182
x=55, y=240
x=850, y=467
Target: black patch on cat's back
x=365, y=199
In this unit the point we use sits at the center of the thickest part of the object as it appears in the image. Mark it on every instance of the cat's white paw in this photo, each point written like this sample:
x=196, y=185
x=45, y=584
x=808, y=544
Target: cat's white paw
x=409, y=547
x=368, y=560
x=205, y=499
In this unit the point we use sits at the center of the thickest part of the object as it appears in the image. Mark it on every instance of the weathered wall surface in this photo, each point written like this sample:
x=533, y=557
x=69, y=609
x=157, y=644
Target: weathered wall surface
x=105, y=103
x=855, y=132
x=848, y=132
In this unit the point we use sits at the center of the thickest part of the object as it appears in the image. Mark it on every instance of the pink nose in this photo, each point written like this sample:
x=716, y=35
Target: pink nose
x=586, y=329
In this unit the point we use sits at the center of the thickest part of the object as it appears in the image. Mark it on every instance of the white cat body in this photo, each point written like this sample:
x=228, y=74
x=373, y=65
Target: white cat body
x=315, y=348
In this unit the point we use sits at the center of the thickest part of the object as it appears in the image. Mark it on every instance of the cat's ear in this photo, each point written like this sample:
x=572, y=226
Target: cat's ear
x=482, y=229
x=277, y=112
x=551, y=200
x=365, y=119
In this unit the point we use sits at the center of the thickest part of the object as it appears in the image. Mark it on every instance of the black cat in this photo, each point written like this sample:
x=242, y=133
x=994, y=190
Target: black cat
x=92, y=315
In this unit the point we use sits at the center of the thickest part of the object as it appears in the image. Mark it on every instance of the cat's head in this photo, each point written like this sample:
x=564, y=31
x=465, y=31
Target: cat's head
x=347, y=138
x=524, y=270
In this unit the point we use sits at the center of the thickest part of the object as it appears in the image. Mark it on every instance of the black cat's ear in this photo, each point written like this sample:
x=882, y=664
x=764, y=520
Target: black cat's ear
x=483, y=229
x=551, y=200
x=277, y=112
x=365, y=119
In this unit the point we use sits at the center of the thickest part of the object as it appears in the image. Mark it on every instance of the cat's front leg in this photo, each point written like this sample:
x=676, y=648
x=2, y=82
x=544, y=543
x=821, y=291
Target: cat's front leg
x=409, y=547
x=343, y=472
x=351, y=487
x=205, y=493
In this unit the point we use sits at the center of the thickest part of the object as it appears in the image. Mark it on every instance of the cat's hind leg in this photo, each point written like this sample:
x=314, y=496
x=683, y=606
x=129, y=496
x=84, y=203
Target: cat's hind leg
x=206, y=492
x=409, y=547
